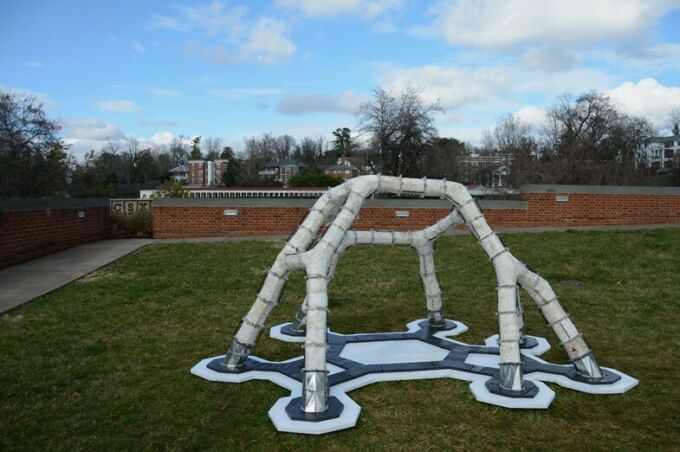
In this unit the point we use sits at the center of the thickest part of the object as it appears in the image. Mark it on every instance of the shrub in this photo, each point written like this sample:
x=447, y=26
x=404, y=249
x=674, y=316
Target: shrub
x=171, y=189
x=307, y=179
x=136, y=225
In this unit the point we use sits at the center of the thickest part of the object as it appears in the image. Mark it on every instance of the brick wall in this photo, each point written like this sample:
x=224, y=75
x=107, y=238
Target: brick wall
x=220, y=169
x=196, y=172
x=538, y=206
x=29, y=233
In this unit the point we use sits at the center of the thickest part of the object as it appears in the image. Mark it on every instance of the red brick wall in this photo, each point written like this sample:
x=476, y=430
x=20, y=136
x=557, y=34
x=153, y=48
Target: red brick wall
x=196, y=172
x=582, y=209
x=220, y=169
x=27, y=234
x=590, y=209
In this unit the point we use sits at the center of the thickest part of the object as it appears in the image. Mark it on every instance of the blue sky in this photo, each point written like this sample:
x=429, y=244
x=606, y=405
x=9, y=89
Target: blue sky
x=230, y=69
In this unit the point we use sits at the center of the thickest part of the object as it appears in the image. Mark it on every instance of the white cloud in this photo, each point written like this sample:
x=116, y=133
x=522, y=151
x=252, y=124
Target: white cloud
x=320, y=8
x=652, y=59
x=214, y=19
x=92, y=134
x=119, y=106
x=267, y=42
x=575, y=81
x=164, y=92
x=549, y=58
x=225, y=35
x=159, y=138
x=92, y=129
x=490, y=87
x=299, y=104
x=34, y=64
x=42, y=98
x=532, y=115
x=454, y=87
x=647, y=98
x=138, y=47
x=509, y=23
x=216, y=54
x=159, y=21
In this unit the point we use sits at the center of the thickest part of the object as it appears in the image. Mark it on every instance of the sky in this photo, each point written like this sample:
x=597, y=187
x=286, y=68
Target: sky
x=231, y=69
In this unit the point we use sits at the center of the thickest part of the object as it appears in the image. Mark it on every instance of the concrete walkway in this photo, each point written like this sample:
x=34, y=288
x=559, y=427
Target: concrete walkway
x=24, y=282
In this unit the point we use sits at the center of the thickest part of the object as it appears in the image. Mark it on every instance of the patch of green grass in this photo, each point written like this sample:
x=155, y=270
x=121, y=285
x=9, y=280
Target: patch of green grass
x=104, y=363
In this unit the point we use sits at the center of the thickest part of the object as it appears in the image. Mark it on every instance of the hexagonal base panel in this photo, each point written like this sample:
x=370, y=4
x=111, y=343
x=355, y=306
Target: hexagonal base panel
x=357, y=360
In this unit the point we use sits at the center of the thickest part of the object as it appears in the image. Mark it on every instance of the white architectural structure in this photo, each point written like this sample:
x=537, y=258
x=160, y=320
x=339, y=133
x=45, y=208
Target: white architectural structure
x=660, y=153
x=334, y=364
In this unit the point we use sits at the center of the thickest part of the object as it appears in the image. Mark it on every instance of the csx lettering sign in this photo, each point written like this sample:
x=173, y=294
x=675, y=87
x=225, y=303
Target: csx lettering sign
x=129, y=206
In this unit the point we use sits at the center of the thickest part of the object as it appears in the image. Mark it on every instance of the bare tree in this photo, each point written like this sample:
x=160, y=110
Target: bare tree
x=674, y=121
x=213, y=147
x=179, y=150
x=131, y=155
x=33, y=161
x=309, y=151
x=401, y=128
x=416, y=130
x=257, y=152
x=514, y=139
x=379, y=117
x=591, y=142
x=283, y=146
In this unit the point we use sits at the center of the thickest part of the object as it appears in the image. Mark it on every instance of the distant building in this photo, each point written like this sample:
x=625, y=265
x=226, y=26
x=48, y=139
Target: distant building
x=491, y=169
x=179, y=173
x=205, y=173
x=343, y=169
x=283, y=170
x=660, y=153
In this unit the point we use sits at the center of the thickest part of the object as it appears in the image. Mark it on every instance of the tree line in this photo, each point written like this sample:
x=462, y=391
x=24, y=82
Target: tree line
x=584, y=140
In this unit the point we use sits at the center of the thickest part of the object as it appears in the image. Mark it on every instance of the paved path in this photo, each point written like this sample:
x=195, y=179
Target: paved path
x=24, y=282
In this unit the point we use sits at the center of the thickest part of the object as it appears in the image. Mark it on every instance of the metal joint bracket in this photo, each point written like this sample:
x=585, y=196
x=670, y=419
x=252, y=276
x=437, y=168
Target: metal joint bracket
x=467, y=202
x=566, y=316
x=337, y=225
x=578, y=336
x=316, y=344
x=505, y=250
x=247, y=347
x=506, y=286
x=487, y=236
x=256, y=326
x=347, y=208
x=329, y=244
x=277, y=276
x=265, y=301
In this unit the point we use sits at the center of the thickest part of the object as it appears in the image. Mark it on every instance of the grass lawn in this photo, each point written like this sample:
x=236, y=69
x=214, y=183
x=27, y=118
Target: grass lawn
x=104, y=362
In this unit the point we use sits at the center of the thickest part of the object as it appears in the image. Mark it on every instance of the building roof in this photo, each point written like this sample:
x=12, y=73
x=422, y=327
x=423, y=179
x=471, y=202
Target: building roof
x=341, y=168
x=662, y=139
x=285, y=162
x=179, y=169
